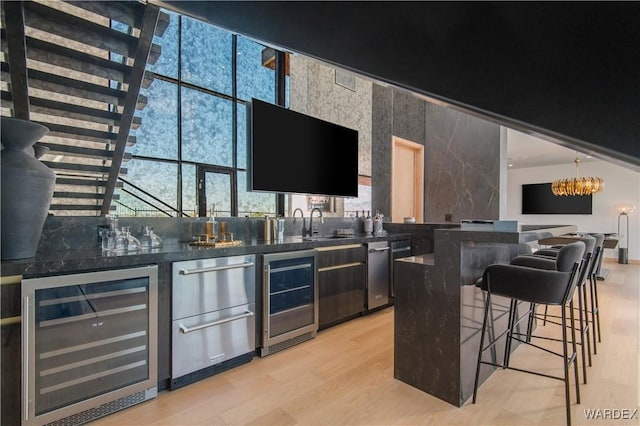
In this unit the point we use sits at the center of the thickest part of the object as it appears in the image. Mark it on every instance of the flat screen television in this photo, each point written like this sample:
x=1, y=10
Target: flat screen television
x=537, y=198
x=290, y=152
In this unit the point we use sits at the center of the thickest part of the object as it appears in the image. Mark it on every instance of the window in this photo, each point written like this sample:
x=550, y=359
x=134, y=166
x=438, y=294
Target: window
x=195, y=119
x=253, y=78
x=167, y=63
x=206, y=56
x=149, y=197
x=207, y=132
x=157, y=136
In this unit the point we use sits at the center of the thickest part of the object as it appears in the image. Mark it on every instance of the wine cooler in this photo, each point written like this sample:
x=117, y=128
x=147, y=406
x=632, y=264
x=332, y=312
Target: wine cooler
x=89, y=344
x=290, y=300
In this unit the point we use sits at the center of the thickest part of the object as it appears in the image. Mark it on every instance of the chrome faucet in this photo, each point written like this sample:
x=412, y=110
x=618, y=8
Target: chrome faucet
x=311, y=231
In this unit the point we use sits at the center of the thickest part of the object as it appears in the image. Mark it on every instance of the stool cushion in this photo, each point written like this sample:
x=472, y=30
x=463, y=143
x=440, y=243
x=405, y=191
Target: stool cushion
x=563, y=261
x=538, y=285
x=587, y=240
x=533, y=261
x=547, y=252
x=527, y=284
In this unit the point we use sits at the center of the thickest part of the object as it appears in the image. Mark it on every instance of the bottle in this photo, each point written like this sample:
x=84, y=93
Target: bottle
x=377, y=224
x=145, y=240
x=368, y=223
x=267, y=228
x=211, y=226
x=132, y=242
x=110, y=235
x=121, y=242
x=156, y=241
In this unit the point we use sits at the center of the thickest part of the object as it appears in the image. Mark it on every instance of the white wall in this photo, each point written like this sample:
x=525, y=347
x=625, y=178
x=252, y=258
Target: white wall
x=622, y=186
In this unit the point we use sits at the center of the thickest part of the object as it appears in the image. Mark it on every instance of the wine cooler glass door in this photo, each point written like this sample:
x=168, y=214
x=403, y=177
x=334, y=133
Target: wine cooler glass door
x=88, y=337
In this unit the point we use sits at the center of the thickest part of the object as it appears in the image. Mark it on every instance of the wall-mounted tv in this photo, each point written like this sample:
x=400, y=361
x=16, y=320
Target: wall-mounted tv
x=537, y=198
x=290, y=152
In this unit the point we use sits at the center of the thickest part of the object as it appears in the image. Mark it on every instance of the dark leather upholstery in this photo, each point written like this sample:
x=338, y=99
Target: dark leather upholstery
x=599, y=239
x=535, y=285
x=588, y=240
x=599, y=248
x=563, y=261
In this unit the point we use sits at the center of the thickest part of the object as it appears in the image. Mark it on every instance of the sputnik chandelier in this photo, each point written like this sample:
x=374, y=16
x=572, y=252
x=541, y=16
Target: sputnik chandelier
x=578, y=185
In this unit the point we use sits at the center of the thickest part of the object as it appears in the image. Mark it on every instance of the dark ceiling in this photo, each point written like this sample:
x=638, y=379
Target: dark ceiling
x=565, y=71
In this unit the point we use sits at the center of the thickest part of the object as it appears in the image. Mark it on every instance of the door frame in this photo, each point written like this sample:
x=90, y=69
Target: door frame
x=418, y=176
x=201, y=171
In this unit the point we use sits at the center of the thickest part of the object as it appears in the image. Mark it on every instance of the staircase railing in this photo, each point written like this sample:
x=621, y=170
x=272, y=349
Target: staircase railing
x=153, y=197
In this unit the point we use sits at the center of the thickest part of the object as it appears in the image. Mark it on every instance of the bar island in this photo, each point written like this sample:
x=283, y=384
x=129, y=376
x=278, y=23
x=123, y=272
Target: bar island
x=438, y=308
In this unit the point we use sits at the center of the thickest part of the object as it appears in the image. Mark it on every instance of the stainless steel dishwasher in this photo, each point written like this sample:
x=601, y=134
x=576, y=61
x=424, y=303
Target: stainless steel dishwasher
x=378, y=277
x=213, y=316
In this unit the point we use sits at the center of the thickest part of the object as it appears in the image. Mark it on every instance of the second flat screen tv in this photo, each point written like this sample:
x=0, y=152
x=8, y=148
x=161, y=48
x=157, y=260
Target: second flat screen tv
x=290, y=152
x=537, y=198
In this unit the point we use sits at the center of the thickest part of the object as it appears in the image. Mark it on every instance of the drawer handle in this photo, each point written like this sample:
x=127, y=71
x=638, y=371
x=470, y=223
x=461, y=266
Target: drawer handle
x=342, y=266
x=214, y=268
x=379, y=249
x=185, y=330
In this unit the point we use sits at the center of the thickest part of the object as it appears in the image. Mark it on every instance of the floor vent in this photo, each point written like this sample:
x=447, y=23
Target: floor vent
x=287, y=344
x=105, y=409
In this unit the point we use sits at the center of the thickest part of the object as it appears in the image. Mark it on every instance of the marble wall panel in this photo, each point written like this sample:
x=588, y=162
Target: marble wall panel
x=408, y=116
x=462, y=165
x=462, y=152
x=381, y=131
x=426, y=334
x=313, y=91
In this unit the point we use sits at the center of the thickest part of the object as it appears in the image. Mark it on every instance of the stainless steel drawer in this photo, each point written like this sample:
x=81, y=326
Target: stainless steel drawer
x=207, y=285
x=206, y=340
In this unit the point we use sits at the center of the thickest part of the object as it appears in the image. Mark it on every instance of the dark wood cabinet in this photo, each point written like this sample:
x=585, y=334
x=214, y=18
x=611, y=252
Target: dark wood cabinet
x=341, y=283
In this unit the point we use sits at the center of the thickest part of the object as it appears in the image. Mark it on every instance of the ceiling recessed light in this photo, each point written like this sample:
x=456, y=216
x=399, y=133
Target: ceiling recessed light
x=510, y=165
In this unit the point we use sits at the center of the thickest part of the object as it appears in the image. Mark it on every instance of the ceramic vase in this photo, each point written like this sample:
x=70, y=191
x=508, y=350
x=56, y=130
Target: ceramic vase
x=27, y=189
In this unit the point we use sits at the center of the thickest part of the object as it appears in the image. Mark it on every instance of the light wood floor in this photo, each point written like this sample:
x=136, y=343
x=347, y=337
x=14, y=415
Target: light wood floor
x=345, y=376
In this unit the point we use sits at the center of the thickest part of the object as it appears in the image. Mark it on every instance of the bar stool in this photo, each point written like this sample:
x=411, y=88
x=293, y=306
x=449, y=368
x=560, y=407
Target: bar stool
x=590, y=255
x=539, y=286
x=561, y=263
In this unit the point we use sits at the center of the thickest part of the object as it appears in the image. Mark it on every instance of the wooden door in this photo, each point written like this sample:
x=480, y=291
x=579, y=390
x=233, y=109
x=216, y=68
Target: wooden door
x=407, y=180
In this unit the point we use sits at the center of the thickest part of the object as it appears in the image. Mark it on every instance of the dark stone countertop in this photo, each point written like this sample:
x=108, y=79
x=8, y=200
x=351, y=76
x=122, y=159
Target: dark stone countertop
x=70, y=261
